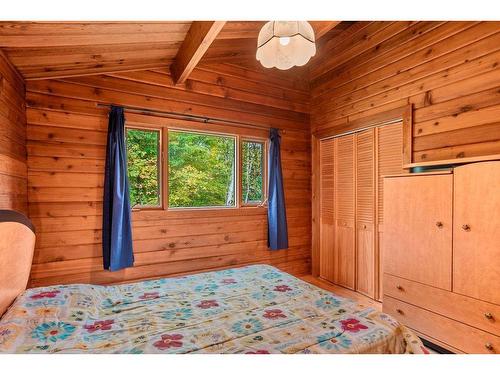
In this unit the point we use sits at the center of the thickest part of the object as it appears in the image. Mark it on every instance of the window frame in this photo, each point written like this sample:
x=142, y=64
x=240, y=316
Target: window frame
x=264, y=143
x=164, y=126
x=159, y=167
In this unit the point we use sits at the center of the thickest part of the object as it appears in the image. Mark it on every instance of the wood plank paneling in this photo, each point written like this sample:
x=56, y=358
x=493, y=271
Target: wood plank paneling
x=449, y=71
x=48, y=50
x=13, y=169
x=66, y=150
x=64, y=49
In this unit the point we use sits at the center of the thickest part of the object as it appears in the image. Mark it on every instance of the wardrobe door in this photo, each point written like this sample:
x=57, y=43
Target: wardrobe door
x=389, y=161
x=476, y=231
x=365, y=213
x=418, y=228
x=344, y=255
x=327, y=214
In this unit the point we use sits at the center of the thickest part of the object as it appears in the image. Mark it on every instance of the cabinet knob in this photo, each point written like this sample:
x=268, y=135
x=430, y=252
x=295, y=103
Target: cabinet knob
x=488, y=315
x=364, y=226
x=489, y=346
x=399, y=311
x=466, y=227
x=399, y=287
x=439, y=224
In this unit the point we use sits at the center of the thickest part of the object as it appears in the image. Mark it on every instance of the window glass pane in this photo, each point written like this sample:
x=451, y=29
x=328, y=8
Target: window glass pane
x=143, y=165
x=201, y=170
x=252, y=172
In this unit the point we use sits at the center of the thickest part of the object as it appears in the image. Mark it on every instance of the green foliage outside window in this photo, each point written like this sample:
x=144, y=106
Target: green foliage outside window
x=201, y=170
x=252, y=171
x=143, y=166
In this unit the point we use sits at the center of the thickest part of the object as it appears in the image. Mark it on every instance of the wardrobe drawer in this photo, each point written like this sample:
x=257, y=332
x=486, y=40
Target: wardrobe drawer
x=455, y=334
x=479, y=314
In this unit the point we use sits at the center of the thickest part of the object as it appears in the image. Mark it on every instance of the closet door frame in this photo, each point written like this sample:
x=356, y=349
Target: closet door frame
x=402, y=114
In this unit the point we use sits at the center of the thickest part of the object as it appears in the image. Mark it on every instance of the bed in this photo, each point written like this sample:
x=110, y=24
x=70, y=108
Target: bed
x=253, y=310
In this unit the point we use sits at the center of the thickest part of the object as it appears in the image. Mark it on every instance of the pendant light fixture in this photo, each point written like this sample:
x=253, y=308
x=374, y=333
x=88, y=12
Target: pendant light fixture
x=284, y=44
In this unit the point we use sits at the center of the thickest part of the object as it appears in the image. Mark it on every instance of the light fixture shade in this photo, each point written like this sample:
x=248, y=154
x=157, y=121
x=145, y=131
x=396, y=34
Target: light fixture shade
x=284, y=44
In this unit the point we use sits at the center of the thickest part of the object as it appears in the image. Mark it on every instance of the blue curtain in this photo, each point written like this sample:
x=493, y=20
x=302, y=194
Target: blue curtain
x=276, y=214
x=116, y=226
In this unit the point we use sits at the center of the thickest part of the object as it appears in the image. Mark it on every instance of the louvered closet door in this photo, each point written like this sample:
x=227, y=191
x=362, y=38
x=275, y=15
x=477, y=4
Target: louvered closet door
x=327, y=214
x=344, y=254
x=365, y=212
x=389, y=161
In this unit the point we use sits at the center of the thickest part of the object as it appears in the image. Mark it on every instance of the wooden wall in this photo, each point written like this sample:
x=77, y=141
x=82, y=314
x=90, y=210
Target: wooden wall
x=66, y=149
x=13, y=177
x=449, y=71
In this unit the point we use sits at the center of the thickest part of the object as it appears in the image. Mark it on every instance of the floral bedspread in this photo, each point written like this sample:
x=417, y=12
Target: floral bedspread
x=252, y=310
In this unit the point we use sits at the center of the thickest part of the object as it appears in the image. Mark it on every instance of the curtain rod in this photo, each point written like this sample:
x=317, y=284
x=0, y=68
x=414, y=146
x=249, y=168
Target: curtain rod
x=183, y=116
x=374, y=125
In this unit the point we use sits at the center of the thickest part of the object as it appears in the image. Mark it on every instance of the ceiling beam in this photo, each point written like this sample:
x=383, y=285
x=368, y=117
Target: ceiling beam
x=322, y=27
x=199, y=37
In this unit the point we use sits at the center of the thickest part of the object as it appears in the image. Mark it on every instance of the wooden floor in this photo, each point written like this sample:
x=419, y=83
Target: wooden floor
x=343, y=292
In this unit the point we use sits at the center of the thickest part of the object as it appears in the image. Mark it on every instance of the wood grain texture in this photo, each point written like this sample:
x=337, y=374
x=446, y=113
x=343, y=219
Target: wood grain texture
x=344, y=265
x=365, y=212
x=443, y=329
x=418, y=213
x=448, y=71
x=64, y=49
x=357, y=180
x=425, y=303
x=476, y=251
x=343, y=292
x=200, y=36
x=50, y=50
x=66, y=150
x=388, y=161
x=327, y=209
x=453, y=305
x=13, y=169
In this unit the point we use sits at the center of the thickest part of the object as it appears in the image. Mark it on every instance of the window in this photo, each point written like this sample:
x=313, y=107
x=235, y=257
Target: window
x=143, y=159
x=252, y=172
x=201, y=170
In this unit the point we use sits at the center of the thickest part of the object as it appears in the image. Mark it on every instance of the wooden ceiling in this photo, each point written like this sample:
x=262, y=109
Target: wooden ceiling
x=41, y=50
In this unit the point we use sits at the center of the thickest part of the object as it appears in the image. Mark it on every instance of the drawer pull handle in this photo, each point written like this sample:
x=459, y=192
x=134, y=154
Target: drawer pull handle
x=399, y=287
x=466, y=227
x=488, y=315
x=489, y=346
x=439, y=224
x=399, y=311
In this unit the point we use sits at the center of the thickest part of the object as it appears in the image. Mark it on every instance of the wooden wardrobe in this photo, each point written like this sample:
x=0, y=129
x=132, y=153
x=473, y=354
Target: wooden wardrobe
x=442, y=247
x=351, y=204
